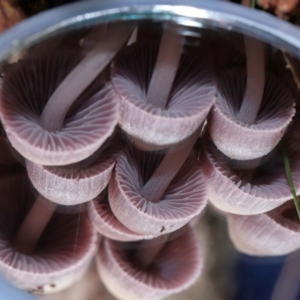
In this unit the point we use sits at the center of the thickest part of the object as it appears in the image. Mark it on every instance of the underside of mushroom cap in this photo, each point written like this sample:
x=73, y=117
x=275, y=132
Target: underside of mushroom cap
x=175, y=269
x=66, y=185
x=24, y=92
x=184, y=198
x=191, y=98
x=107, y=224
x=67, y=245
x=241, y=141
x=272, y=233
x=268, y=189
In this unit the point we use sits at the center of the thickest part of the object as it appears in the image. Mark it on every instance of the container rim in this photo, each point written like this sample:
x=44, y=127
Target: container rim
x=195, y=13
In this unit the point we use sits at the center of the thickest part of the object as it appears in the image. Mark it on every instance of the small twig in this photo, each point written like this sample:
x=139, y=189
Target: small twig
x=290, y=178
x=291, y=68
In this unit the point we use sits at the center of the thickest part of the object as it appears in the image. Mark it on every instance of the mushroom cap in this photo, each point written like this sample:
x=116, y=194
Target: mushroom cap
x=272, y=233
x=174, y=269
x=191, y=98
x=25, y=90
x=107, y=224
x=268, y=189
x=69, y=186
x=184, y=198
x=63, y=252
x=242, y=141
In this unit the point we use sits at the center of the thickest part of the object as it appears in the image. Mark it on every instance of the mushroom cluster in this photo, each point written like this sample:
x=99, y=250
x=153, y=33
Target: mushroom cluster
x=132, y=136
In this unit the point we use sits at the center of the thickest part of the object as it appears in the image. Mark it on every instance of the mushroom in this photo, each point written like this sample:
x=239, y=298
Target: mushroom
x=248, y=122
x=173, y=269
x=76, y=183
x=107, y=224
x=157, y=111
x=56, y=132
x=151, y=193
x=46, y=263
x=254, y=191
x=276, y=232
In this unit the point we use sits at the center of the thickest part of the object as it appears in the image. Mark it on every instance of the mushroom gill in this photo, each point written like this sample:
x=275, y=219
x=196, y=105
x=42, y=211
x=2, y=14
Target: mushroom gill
x=159, y=112
x=151, y=193
x=47, y=130
x=251, y=114
x=174, y=269
x=76, y=183
x=276, y=232
x=106, y=222
x=253, y=191
x=62, y=253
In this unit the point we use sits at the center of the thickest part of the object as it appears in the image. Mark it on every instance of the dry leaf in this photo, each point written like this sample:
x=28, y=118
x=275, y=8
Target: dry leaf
x=9, y=15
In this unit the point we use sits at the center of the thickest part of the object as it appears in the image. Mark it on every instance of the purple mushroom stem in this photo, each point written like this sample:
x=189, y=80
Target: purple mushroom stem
x=165, y=68
x=255, y=80
x=168, y=168
x=33, y=226
x=88, y=42
x=82, y=75
x=149, y=249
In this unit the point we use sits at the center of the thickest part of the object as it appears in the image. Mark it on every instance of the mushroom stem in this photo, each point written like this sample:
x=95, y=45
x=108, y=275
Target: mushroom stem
x=82, y=75
x=149, y=249
x=168, y=168
x=88, y=42
x=165, y=68
x=33, y=226
x=255, y=80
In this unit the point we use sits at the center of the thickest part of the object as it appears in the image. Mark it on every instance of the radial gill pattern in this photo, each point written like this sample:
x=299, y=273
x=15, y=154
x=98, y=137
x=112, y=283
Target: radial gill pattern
x=107, y=224
x=63, y=253
x=24, y=92
x=175, y=269
x=185, y=197
x=72, y=184
x=249, y=192
x=242, y=141
x=274, y=233
x=192, y=96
